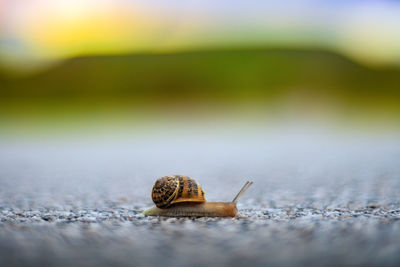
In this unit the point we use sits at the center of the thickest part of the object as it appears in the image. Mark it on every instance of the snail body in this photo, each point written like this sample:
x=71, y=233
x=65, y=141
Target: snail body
x=182, y=196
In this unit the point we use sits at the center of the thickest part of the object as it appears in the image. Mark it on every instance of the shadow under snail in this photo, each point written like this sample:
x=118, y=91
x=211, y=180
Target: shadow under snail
x=182, y=196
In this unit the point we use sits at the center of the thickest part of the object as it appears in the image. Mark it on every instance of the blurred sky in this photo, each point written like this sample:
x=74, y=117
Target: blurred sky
x=37, y=32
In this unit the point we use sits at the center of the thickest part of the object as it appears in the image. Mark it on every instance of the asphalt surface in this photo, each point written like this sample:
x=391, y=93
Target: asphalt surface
x=317, y=199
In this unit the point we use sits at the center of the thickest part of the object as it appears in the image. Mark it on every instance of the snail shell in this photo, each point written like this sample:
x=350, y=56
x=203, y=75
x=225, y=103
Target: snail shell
x=174, y=189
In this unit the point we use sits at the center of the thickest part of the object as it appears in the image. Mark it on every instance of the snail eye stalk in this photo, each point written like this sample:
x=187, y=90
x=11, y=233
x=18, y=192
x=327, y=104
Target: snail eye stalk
x=242, y=191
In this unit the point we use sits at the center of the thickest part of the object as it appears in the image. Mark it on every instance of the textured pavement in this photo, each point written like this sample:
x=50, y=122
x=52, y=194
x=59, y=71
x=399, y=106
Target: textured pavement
x=317, y=199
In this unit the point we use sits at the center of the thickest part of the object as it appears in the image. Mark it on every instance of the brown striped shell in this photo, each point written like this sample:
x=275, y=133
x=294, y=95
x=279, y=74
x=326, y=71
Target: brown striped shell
x=173, y=189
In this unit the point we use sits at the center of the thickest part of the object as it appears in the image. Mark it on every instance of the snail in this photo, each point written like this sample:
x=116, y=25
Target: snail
x=182, y=196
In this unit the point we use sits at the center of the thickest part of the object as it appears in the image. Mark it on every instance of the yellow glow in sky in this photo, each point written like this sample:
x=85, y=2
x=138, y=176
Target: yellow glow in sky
x=47, y=30
x=78, y=27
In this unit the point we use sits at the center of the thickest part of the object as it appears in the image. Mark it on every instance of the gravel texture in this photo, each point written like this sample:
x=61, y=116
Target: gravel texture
x=316, y=200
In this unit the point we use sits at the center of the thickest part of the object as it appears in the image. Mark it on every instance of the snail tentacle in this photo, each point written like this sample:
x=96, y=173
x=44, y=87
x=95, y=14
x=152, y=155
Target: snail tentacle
x=242, y=191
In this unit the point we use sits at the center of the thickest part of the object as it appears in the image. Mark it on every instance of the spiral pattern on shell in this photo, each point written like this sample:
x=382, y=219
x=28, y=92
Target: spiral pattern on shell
x=173, y=189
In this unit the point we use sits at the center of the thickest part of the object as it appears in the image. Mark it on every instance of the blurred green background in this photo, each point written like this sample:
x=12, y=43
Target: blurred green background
x=138, y=61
